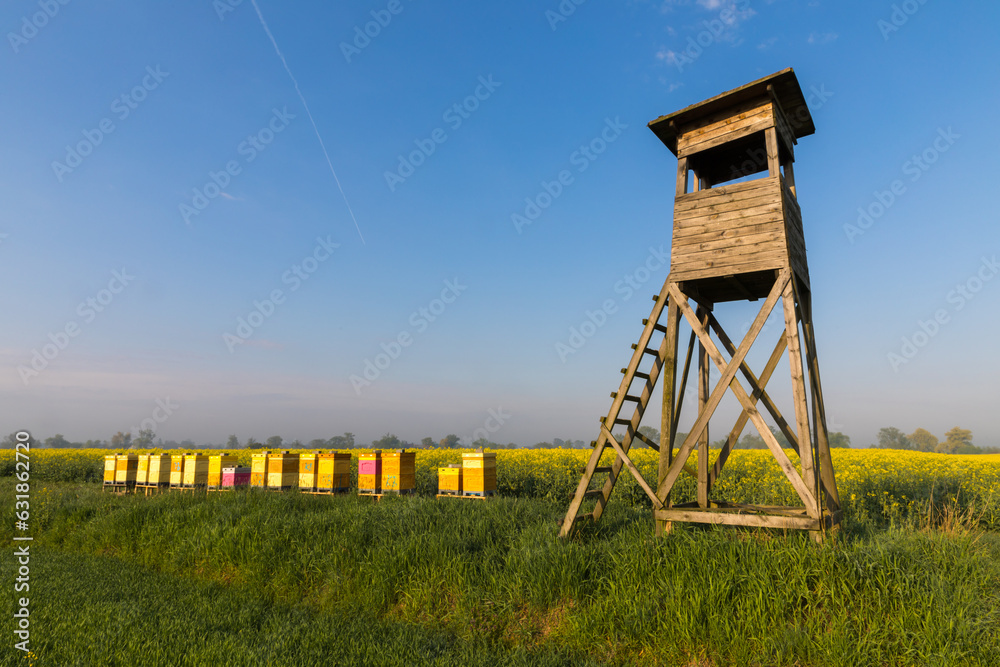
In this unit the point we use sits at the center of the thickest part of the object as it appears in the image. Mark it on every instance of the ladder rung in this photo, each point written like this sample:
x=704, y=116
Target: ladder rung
x=646, y=350
x=623, y=422
x=658, y=327
x=602, y=469
x=593, y=493
x=656, y=297
x=588, y=515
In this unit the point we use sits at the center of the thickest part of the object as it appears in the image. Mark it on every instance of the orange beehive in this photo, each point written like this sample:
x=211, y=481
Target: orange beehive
x=126, y=469
x=308, y=471
x=110, y=461
x=334, y=472
x=370, y=472
x=282, y=470
x=176, y=471
x=258, y=469
x=450, y=479
x=159, y=470
x=479, y=473
x=399, y=472
x=216, y=463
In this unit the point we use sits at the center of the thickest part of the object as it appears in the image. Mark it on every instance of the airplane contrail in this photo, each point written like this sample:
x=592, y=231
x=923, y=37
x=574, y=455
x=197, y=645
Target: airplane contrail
x=311, y=119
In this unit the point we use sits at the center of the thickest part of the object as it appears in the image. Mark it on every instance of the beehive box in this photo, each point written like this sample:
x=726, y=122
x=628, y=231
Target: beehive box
x=399, y=472
x=308, y=471
x=109, y=468
x=450, y=479
x=258, y=469
x=195, y=470
x=142, y=472
x=334, y=472
x=176, y=470
x=159, y=470
x=235, y=478
x=126, y=469
x=370, y=472
x=216, y=462
x=479, y=472
x=282, y=470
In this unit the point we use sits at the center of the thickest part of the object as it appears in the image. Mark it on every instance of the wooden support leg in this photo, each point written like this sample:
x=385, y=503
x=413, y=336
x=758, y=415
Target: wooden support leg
x=668, y=416
x=799, y=392
x=703, y=395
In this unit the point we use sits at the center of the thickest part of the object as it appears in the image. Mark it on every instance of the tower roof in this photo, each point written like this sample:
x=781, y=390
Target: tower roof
x=786, y=89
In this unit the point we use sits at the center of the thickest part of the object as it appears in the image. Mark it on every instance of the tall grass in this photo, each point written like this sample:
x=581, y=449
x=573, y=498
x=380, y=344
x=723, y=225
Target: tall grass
x=493, y=574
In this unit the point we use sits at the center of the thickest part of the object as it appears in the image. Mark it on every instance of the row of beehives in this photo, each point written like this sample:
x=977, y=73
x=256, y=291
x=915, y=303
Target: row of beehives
x=316, y=472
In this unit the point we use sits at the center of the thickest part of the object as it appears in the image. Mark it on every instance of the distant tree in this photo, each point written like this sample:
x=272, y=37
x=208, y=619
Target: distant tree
x=295, y=444
x=892, y=438
x=274, y=442
x=450, y=441
x=318, y=443
x=187, y=444
x=252, y=443
x=345, y=441
x=838, y=440
x=387, y=441
x=171, y=444
x=650, y=433
x=542, y=445
x=427, y=443
x=751, y=441
x=96, y=444
x=144, y=440
x=483, y=443
x=120, y=440
x=923, y=440
x=233, y=442
x=11, y=440
x=57, y=441
x=957, y=441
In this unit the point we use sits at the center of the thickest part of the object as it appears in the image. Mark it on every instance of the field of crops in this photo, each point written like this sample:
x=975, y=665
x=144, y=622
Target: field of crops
x=284, y=578
x=880, y=487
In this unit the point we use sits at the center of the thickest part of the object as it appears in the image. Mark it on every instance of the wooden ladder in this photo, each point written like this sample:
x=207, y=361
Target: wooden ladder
x=607, y=441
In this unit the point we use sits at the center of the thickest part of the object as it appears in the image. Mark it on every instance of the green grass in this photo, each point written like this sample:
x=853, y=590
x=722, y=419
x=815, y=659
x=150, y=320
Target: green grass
x=276, y=577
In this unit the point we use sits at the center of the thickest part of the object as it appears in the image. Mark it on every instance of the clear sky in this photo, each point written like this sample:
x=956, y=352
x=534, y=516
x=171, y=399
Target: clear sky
x=161, y=179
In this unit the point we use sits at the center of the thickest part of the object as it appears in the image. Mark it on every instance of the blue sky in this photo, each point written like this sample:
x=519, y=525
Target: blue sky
x=205, y=92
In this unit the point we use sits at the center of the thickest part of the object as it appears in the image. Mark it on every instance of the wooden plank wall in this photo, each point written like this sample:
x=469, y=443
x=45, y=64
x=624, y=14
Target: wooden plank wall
x=729, y=230
x=714, y=130
x=796, y=238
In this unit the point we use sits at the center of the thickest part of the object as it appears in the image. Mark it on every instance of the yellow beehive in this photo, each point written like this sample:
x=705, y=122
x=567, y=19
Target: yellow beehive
x=258, y=469
x=176, y=470
x=142, y=473
x=216, y=463
x=109, y=468
x=159, y=470
x=282, y=470
x=370, y=472
x=195, y=470
x=450, y=479
x=308, y=471
x=334, y=472
x=479, y=473
x=126, y=468
x=399, y=472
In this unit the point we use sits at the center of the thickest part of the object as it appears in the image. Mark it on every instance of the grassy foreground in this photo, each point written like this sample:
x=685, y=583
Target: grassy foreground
x=290, y=579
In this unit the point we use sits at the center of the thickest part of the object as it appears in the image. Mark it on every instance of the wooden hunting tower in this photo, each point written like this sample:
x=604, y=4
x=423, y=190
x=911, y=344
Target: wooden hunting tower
x=741, y=241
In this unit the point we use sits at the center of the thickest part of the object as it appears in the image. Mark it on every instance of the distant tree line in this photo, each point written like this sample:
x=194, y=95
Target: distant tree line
x=956, y=441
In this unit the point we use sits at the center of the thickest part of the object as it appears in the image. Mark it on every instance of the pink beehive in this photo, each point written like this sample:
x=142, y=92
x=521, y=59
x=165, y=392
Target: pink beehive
x=235, y=477
x=370, y=467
